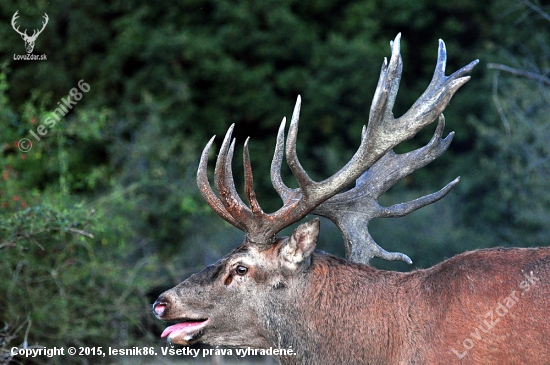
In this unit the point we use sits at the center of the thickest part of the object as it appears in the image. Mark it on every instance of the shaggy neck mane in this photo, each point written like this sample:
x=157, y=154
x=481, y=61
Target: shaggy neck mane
x=335, y=296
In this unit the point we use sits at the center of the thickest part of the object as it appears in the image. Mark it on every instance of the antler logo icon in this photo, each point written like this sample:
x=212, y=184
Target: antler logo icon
x=29, y=40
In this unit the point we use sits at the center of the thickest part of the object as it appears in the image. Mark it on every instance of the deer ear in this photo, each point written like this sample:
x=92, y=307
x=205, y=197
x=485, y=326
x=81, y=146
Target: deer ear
x=302, y=242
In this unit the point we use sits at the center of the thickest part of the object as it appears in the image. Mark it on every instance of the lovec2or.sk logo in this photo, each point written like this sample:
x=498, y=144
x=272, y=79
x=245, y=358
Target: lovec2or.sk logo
x=29, y=40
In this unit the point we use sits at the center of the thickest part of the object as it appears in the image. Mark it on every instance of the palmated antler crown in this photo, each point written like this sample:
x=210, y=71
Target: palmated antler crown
x=374, y=167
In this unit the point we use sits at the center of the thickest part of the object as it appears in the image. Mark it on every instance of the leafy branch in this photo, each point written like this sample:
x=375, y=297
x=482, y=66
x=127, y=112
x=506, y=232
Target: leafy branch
x=43, y=221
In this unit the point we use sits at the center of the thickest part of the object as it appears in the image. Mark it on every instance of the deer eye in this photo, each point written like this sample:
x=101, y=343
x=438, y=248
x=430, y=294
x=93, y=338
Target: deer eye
x=241, y=270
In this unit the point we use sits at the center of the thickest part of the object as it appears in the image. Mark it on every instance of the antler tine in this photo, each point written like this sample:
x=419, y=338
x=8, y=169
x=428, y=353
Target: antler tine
x=13, y=19
x=249, y=182
x=223, y=179
x=299, y=202
x=396, y=167
x=313, y=193
x=393, y=74
x=219, y=171
x=385, y=94
x=316, y=192
x=206, y=190
x=276, y=163
x=384, y=132
x=438, y=93
x=400, y=210
x=232, y=197
x=364, y=256
x=304, y=181
x=223, y=173
x=254, y=222
x=439, y=72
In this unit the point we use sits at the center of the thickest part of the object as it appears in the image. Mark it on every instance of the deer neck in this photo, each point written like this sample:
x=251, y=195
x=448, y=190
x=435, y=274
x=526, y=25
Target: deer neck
x=339, y=313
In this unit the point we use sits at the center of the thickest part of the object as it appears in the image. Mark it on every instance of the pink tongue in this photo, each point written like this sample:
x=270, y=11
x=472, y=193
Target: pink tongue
x=180, y=327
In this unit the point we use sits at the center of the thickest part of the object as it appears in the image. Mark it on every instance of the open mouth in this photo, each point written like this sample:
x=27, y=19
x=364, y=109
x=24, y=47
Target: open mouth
x=185, y=331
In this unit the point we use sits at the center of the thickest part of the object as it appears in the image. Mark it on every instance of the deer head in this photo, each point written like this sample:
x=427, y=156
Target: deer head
x=29, y=40
x=250, y=297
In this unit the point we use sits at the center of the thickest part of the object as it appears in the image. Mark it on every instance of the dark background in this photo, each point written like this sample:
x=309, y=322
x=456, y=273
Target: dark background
x=103, y=213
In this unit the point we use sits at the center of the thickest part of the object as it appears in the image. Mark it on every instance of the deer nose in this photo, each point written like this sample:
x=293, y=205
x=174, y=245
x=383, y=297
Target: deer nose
x=159, y=307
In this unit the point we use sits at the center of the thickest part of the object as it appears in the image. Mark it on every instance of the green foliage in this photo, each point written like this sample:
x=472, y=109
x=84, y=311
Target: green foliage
x=26, y=226
x=513, y=149
x=57, y=276
x=65, y=266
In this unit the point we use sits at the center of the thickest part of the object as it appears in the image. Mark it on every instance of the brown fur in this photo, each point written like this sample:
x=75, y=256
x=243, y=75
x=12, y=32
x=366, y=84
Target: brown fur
x=366, y=316
x=481, y=307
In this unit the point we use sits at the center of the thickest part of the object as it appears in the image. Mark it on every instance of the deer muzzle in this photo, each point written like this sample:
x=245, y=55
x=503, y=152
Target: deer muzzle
x=185, y=330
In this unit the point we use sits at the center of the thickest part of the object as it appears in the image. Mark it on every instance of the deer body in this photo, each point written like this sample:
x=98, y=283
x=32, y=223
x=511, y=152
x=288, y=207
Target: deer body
x=481, y=307
x=360, y=315
x=331, y=311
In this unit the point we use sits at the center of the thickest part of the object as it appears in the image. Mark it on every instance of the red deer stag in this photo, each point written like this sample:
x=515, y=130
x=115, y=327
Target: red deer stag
x=481, y=307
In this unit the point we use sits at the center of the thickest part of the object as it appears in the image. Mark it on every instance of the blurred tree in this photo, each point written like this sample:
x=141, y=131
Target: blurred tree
x=515, y=153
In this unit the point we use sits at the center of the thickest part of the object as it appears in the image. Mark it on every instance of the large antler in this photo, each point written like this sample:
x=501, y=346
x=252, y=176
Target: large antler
x=384, y=133
x=352, y=210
